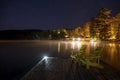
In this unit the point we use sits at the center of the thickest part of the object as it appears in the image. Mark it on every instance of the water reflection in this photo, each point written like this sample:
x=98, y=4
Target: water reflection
x=15, y=56
x=111, y=52
x=76, y=45
x=58, y=47
x=73, y=45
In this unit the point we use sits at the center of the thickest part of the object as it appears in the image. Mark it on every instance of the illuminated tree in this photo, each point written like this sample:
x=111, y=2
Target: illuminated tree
x=113, y=28
x=64, y=31
x=117, y=25
x=86, y=29
x=69, y=32
x=100, y=25
x=78, y=31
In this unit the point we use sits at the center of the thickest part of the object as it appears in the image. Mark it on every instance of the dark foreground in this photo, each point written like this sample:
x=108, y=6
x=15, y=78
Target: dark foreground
x=65, y=69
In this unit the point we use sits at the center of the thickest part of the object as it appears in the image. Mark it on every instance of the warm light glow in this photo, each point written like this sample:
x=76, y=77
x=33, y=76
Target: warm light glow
x=66, y=36
x=91, y=41
x=79, y=44
x=73, y=44
x=58, y=47
x=76, y=45
x=78, y=39
x=58, y=32
x=73, y=39
x=113, y=37
x=94, y=43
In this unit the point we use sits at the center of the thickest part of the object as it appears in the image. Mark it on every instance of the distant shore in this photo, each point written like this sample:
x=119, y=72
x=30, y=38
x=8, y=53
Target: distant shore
x=30, y=41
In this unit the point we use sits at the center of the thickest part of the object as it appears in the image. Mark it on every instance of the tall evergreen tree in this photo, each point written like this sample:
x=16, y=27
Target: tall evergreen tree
x=100, y=24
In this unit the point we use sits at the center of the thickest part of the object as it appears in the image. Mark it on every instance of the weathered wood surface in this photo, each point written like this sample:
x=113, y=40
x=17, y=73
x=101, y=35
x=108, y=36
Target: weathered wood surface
x=65, y=69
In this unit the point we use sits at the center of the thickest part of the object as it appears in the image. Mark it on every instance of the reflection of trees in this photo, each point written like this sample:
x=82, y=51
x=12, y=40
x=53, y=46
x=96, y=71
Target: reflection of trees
x=111, y=54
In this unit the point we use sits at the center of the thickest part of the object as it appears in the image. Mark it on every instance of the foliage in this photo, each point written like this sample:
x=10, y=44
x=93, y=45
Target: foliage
x=100, y=24
x=86, y=29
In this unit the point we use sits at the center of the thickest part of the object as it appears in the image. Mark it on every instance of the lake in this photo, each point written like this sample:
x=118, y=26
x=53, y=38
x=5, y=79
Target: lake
x=17, y=57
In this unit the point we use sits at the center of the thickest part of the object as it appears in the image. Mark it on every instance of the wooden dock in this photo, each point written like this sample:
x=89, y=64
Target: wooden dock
x=66, y=69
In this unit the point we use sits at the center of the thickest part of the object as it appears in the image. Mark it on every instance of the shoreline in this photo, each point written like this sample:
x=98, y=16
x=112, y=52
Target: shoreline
x=51, y=41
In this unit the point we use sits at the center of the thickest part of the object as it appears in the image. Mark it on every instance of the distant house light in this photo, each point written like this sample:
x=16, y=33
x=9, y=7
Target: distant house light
x=73, y=39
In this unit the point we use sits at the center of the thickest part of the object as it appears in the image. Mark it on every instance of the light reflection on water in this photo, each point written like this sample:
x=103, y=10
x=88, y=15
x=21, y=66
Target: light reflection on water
x=111, y=52
x=76, y=45
x=15, y=56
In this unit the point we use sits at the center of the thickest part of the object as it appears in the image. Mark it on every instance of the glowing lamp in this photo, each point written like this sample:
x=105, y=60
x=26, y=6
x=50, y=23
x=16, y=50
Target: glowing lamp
x=78, y=39
x=45, y=57
x=73, y=39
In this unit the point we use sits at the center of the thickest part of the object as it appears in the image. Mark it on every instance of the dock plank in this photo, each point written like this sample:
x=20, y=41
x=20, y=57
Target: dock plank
x=66, y=69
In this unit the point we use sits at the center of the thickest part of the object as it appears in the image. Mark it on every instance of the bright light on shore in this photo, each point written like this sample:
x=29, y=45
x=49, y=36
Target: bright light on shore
x=73, y=39
x=78, y=39
x=76, y=44
x=45, y=57
x=91, y=41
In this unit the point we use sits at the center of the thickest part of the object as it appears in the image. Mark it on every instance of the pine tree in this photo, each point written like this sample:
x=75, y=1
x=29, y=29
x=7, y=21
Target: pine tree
x=100, y=25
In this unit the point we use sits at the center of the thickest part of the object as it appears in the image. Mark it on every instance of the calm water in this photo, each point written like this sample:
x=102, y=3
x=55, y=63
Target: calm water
x=17, y=57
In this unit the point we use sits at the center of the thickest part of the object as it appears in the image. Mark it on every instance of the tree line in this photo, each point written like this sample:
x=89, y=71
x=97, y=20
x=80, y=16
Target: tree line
x=103, y=26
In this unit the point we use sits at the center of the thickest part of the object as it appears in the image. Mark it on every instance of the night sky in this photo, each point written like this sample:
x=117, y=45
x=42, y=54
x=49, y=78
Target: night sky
x=49, y=14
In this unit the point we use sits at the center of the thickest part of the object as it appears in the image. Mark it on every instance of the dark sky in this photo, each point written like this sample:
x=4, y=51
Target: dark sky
x=48, y=14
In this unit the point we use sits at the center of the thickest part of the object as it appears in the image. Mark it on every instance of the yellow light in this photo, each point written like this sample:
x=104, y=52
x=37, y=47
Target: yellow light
x=78, y=39
x=113, y=37
x=66, y=36
x=73, y=44
x=73, y=39
x=58, y=47
x=91, y=41
x=76, y=44
x=79, y=44
x=58, y=32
